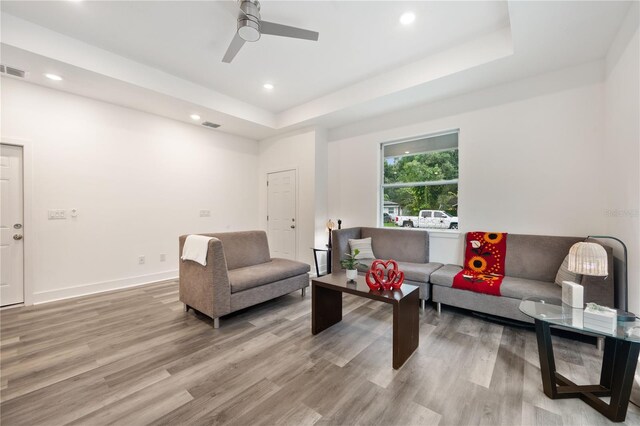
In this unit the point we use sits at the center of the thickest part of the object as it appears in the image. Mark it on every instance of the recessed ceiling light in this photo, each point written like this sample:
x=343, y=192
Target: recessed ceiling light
x=407, y=18
x=53, y=77
x=268, y=86
x=195, y=117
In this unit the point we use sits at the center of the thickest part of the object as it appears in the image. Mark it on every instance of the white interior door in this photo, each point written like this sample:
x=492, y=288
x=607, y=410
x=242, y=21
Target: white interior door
x=281, y=214
x=11, y=243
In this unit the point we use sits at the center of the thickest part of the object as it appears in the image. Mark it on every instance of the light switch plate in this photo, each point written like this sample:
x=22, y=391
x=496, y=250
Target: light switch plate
x=57, y=214
x=205, y=213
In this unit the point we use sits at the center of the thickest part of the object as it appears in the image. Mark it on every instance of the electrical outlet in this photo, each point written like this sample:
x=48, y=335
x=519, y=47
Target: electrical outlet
x=141, y=260
x=56, y=214
x=163, y=257
x=205, y=213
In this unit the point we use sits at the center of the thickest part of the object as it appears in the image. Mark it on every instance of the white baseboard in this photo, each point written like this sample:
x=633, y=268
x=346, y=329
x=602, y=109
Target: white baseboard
x=101, y=287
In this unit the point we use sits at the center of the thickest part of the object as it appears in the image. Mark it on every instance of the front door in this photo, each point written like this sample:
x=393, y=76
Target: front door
x=281, y=213
x=11, y=244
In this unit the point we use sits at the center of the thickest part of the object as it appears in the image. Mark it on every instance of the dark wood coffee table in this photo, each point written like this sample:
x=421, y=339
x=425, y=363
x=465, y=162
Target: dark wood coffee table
x=326, y=309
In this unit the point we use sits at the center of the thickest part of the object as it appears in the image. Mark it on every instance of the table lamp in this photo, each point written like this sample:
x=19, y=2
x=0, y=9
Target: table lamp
x=587, y=258
x=330, y=227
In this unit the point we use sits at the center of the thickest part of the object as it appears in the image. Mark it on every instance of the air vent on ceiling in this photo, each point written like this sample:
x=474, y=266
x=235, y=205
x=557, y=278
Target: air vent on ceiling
x=210, y=124
x=12, y=71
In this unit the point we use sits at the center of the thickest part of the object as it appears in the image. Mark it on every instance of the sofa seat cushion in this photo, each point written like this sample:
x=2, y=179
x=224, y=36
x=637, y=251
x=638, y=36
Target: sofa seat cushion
x=519, y=288
x=444, y=276
x=419, y=272
x=515, y=288
x=265, y=273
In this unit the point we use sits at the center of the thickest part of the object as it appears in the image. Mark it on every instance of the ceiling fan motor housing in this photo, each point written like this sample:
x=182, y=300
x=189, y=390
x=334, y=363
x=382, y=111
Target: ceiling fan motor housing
x=249, y=20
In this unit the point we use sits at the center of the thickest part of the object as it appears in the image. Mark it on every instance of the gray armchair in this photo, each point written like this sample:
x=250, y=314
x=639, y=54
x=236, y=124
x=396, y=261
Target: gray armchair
x=239, y=273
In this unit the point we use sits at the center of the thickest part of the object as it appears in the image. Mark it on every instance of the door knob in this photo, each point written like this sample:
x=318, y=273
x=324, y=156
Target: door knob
x=17, y=237
x=293, y=226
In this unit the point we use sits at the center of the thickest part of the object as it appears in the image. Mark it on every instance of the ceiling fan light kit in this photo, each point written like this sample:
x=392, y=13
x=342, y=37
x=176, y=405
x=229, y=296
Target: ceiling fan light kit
x=249, y=21
x=251, y=27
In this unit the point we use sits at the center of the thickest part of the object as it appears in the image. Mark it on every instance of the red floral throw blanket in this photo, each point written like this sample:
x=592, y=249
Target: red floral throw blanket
x=483, y=268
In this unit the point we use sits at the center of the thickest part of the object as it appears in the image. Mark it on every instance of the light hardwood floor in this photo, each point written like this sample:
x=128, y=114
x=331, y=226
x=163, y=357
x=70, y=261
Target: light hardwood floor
x=135, y=357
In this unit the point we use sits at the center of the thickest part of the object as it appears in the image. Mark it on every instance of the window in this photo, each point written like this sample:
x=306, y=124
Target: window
x=421, y=177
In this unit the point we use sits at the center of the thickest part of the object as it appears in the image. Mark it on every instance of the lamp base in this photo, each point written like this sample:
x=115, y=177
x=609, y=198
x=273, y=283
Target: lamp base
x=625, y=316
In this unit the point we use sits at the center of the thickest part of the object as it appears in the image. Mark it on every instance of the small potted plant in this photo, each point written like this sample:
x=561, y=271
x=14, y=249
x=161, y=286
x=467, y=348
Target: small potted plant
x=350, y=263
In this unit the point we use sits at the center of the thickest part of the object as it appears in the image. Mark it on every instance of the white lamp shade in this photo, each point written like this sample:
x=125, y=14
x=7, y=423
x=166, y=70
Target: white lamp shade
x=588, y=259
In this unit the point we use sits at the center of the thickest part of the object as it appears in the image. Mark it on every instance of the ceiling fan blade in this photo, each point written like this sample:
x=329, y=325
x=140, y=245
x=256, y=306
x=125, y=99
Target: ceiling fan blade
x=233, y=49
x=272, y=28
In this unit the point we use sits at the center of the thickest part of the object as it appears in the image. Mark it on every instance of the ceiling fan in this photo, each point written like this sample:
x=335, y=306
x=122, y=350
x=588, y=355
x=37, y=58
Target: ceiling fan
x=251, y=27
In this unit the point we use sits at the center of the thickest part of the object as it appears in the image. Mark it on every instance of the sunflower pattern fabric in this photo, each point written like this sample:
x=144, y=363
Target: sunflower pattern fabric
x=484, y=258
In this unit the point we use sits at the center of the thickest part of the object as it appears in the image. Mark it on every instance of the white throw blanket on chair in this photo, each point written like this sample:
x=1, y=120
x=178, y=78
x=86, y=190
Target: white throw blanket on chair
x=196, y=248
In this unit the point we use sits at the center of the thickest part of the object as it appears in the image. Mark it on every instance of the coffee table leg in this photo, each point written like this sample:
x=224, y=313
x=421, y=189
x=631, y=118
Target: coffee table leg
x=406, y=332
x=608, y=358
x=547, y=361
x=622, y=372
x=326, y=308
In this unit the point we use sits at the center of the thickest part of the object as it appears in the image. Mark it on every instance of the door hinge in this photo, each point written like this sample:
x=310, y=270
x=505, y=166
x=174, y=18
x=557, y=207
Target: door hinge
x=267, y=183
x=267, y=217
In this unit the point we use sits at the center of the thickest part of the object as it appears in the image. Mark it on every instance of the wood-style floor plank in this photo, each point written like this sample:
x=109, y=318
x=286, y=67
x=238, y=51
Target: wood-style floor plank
x=135, y=357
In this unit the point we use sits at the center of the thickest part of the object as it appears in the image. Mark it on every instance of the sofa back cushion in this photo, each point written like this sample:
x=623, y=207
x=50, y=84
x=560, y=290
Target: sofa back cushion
x=403, y=245
x=340, y=245
x=244, y=248
x=536, y=257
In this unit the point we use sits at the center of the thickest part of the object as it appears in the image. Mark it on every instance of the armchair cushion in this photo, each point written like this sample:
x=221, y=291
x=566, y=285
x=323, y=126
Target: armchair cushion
x=265, y=273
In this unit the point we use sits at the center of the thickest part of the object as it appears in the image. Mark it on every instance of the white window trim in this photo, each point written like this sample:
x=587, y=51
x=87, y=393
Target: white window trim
x=383, y=185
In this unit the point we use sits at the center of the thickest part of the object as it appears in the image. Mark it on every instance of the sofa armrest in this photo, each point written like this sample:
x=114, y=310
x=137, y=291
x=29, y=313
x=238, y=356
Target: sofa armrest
x=206, y=288
x=340, y=245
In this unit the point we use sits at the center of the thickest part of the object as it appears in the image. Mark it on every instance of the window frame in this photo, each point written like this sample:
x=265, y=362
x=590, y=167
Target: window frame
x=382, y=186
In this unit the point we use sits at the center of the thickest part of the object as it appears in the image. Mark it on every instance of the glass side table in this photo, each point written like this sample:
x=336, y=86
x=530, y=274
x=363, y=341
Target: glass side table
x=621, y=350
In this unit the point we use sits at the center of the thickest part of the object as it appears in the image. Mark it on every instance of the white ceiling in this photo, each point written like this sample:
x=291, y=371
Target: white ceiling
x=164, y=57
x=189, y=38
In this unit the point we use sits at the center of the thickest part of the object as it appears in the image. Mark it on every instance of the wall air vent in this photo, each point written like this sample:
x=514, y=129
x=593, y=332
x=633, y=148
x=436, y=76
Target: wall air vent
x=12, y=71
x=210, y=124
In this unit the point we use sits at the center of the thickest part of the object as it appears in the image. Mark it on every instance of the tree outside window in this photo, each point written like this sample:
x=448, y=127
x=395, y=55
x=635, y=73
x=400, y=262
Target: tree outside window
x=422, y=174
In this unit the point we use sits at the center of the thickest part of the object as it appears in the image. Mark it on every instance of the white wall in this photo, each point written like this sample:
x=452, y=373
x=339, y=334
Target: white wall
x=528, y=164
x=137, y=180
x=321, y=234
x=622, y=148
x=307, y=153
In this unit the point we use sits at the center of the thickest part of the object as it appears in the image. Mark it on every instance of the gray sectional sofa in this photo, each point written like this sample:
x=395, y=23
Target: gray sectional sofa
x=531, y=265
x=239, y=273
x=410, y=248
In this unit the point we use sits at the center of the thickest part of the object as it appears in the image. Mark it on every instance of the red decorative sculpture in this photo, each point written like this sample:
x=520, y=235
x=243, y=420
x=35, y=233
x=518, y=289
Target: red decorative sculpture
x=384, y=275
